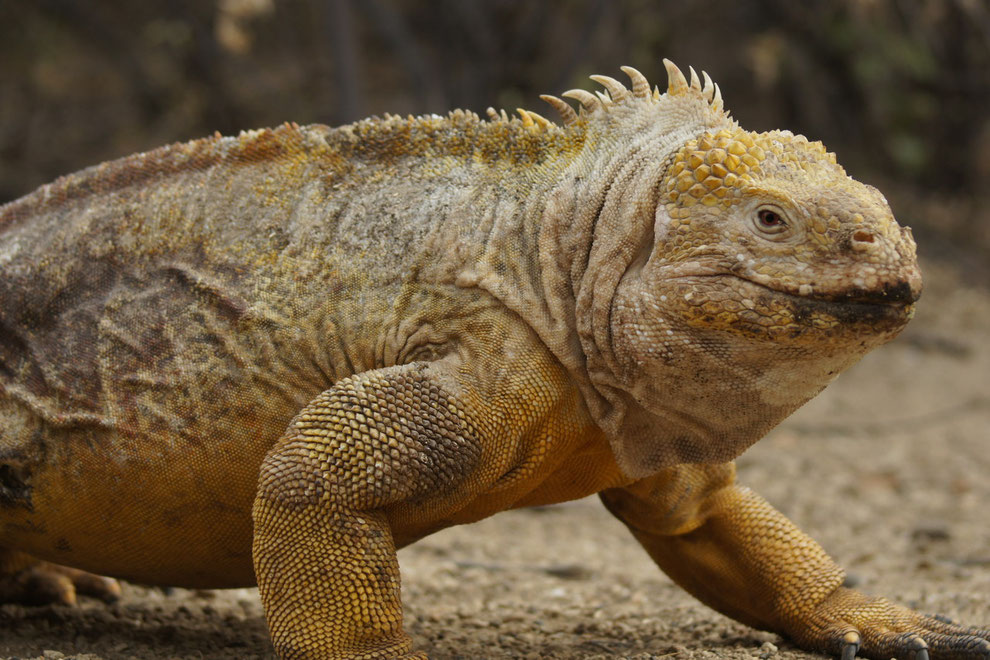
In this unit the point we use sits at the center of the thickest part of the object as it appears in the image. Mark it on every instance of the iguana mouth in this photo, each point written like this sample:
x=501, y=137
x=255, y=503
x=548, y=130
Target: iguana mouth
x=884, y=308
x=889, y=293
x=892, y=294
x=890, y=304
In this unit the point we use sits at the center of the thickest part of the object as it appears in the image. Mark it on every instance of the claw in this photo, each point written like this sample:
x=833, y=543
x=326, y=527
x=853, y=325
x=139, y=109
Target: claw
x=916, y=646
x=850, y=645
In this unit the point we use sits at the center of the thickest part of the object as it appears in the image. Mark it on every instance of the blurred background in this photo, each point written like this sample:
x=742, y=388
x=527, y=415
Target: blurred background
x=899, y=89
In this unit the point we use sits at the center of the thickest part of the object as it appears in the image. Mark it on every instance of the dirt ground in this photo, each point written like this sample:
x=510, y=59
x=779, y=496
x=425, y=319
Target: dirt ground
x=887, y=469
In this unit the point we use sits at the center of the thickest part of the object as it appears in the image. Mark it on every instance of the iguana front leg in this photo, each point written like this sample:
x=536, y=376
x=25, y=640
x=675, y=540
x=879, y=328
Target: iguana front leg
x=323, y=548
x=728, y=547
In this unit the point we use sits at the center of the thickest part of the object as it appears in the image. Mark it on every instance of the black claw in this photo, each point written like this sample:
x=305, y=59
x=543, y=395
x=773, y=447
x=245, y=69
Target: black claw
x=849, y=651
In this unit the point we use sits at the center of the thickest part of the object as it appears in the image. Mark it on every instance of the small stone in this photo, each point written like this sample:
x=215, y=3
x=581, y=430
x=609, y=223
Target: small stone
x=933, y=530
x=767, y=650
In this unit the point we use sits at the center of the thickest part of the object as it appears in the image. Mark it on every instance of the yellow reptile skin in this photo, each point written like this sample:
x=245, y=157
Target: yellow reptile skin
x=278, y=357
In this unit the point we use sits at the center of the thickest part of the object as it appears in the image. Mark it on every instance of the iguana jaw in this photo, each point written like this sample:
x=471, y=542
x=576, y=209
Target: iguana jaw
x=860, y=311
x=781, y=316
x=894, y=298
x=737, y=354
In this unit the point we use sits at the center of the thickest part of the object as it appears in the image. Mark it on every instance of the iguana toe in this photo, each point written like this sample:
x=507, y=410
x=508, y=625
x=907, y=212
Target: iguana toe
x=967, y=643
x=854, y=625
x=47, y=584
x=850, y=645
x=88, y=584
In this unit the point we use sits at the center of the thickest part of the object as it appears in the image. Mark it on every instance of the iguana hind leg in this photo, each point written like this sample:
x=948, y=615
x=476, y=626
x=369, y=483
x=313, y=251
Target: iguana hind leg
x=30, y=581
x=736, y=553
x=323, y=548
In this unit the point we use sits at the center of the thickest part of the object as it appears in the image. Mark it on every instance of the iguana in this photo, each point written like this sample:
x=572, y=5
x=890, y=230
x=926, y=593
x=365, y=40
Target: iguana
x=278, y=357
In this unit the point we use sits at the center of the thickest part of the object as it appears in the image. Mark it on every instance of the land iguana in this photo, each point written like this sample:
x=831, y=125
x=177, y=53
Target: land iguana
x=277, y=357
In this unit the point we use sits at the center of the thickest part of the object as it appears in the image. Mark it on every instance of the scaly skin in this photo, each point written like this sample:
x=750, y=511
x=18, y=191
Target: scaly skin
x=281, y=356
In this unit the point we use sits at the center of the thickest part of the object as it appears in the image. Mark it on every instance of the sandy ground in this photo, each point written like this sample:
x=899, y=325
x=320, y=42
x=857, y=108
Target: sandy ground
x=887, y=469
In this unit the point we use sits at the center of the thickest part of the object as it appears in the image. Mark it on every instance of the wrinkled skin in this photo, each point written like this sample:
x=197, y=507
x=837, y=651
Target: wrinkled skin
x=765, y=279
x=281, y=356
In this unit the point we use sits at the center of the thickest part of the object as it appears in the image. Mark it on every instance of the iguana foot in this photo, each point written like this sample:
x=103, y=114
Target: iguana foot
x=850, y=624
x=43, y=583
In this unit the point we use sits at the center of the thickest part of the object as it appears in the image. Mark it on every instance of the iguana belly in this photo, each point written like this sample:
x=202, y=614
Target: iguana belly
x=177, y=518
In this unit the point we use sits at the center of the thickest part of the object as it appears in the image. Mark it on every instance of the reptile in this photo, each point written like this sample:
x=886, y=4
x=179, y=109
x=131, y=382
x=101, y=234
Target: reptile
x=276, y=358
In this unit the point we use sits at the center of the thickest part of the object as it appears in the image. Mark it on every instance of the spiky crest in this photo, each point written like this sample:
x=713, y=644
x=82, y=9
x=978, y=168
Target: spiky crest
x=677, y=84
x=640, y=85
x=589, y=102
x=616, y=94
x=566, y=112
x=616, y=90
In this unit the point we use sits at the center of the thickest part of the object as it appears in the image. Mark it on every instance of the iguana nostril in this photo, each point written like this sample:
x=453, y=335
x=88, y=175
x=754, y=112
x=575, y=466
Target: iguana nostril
x=862, y=240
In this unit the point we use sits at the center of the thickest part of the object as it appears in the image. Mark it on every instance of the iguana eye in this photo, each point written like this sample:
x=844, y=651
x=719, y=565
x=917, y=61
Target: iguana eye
x=770, y=222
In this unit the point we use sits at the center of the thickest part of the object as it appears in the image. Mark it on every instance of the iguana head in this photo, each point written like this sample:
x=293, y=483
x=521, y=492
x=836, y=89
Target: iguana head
x=810, y=255
x=750, y=270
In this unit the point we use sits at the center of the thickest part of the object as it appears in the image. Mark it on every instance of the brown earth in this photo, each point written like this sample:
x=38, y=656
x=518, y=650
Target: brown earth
x=888, y=469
